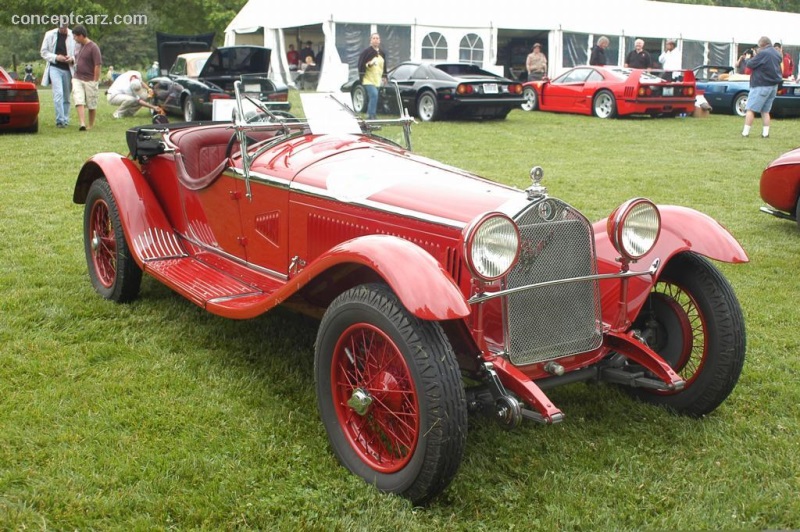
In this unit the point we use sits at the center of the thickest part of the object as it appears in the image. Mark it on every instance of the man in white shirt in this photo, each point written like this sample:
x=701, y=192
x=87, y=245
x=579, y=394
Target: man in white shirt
x=58, y=51
x=671, y=59
x=129, y=93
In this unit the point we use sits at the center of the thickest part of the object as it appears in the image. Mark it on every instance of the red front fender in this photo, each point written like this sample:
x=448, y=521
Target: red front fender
x=423, y=286
x=682, y=229
x=140, y=212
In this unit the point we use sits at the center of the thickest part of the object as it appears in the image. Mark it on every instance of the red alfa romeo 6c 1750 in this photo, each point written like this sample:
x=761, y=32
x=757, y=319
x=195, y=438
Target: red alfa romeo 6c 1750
x=440, y=293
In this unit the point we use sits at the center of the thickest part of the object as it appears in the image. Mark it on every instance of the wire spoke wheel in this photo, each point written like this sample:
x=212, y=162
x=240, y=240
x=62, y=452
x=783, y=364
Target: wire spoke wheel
x=693, y=320
x=389, y=393
x=375, y=398
x=112, y=269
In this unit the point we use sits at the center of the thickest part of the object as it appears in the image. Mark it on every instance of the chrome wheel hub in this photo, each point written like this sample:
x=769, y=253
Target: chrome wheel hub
x=360, y=401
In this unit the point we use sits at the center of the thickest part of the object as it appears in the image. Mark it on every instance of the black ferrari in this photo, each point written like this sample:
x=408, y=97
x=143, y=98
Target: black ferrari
x=198, y=75
x=434, y=91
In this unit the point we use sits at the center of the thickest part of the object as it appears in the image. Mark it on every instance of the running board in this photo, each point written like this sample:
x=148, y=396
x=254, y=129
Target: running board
x=209, y=286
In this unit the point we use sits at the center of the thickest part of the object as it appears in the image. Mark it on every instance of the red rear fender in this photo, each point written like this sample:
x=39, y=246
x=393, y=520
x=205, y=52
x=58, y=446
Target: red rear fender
x=147, y=229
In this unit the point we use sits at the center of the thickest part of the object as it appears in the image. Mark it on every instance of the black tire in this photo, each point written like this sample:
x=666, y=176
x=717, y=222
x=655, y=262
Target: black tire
x=739, y=106
x=189, y=111
x=531, y=99
x=693, y=320
x=359, y=97
x=112, y=269
x=604, y=105
x=375, y=363
x=797, y=213
x=427, y=107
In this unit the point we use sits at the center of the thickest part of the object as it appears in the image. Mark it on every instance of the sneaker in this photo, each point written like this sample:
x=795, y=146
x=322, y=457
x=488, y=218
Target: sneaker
x=82, y=128
x=744, y=136
x=765, y=136
x=115, y=115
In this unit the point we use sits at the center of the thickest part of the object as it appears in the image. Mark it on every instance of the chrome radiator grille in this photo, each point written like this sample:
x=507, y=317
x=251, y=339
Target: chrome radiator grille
x=555, y=321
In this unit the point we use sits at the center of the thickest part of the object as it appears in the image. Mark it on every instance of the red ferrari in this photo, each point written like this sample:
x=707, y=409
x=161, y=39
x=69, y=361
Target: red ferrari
x=607, y=92
x=780, y=186
x=19, y=104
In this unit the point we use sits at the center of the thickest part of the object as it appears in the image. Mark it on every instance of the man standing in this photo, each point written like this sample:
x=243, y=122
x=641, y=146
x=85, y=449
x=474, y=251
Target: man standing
x=58, y=50
x=638, y=57
x=87, y=76
x=371, y=65
x=764, y=81
x=598, y=57
x=670, y=60
x=536, y=63
x=787, y=66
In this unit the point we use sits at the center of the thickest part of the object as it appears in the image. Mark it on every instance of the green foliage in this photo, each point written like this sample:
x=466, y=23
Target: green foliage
x=158, y=415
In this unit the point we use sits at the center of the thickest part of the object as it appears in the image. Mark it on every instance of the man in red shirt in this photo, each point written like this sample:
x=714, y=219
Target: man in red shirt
x=787, y=67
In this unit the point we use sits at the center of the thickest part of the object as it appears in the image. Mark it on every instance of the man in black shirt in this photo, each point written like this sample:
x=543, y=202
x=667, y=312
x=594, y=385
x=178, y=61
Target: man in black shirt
x=638, y=57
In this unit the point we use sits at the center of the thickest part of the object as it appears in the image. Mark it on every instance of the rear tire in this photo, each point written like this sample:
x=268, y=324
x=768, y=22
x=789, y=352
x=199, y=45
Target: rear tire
x=427, y=107
x=531, y=99
x=359, y=99
x=390, y=394
x=112, y=269
x=189, y=113
x=604, y=105
x=740, y=104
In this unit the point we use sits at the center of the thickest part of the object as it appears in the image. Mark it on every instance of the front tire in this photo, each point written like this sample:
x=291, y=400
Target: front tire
x=531, y=99
x=112, y=269
x=604, y=105
x=189, y=113
x=359, y=99
x=427, y=107
x=389, y=393
x=740, y=104
x=693, y=320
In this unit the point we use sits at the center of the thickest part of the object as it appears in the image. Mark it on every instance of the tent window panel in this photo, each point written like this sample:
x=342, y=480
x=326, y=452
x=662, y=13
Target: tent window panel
x=576, y=51
x=718, y=54
x=351, y=39
x=471, y=49
x=396, y=42
x=434, y=47
x=612, y=52
x=694, y=53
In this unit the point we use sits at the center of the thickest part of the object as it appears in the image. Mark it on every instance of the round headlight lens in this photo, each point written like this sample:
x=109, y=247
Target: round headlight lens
x=634, y=228
x=492, y=247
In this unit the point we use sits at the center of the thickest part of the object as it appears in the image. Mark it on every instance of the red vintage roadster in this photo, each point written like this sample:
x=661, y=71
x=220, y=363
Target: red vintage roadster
x=440, y=293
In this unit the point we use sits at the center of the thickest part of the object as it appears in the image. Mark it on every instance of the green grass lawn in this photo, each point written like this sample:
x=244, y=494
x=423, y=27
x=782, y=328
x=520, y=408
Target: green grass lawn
x=158, y=415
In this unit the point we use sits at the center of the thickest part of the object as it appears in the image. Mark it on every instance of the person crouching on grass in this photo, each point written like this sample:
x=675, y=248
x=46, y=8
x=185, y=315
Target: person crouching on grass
x=130, y=94
x=87, y=76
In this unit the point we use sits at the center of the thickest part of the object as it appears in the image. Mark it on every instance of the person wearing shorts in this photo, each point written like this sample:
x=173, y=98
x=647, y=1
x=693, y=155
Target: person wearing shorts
x=764, y=80
x=88, y=62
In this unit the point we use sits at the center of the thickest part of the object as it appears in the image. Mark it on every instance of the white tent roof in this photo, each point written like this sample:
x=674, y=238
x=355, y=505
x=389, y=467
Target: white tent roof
x=639, y=18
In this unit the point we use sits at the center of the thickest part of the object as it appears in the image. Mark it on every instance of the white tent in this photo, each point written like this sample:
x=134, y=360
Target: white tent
x=498, y=36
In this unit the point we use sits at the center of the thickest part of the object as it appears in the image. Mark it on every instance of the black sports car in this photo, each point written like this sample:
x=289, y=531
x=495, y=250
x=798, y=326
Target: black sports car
x=197, y=76
x=433, y=91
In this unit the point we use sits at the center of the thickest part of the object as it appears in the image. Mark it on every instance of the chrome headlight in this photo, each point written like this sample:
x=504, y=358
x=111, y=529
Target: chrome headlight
x=634, y=227
x=491, y=246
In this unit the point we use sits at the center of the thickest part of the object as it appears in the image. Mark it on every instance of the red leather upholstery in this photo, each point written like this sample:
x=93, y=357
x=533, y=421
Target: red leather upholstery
x=201, y=154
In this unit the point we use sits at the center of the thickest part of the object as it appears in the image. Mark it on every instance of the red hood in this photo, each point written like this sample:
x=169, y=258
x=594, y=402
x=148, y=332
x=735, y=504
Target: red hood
x=344, y=168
